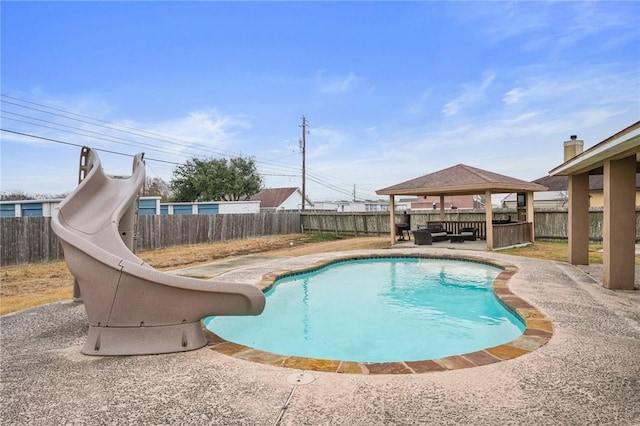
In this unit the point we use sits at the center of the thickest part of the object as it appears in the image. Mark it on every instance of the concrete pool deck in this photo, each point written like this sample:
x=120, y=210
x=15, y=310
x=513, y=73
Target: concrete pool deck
x=588, y=373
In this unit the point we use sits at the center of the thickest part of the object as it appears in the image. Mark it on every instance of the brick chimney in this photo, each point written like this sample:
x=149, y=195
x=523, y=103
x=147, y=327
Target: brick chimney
x=573, y=147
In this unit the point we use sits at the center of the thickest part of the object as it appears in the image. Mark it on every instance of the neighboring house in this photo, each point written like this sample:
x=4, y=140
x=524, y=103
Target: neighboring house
x=404, y=203
x=28, y=208
x=432, y=202
x=353, y=206
x=146, y=206
x=557, y=195
x=207, y=207
x=276, y=199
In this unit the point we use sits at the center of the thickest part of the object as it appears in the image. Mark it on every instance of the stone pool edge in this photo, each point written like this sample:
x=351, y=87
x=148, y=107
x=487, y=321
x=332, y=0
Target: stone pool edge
x=538, y=328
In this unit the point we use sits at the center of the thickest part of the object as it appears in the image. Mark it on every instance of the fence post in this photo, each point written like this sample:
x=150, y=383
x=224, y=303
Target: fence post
x=355, y=224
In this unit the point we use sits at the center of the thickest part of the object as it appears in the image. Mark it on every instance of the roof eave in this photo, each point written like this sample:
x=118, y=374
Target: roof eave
x=463, y=190
x=622, y=146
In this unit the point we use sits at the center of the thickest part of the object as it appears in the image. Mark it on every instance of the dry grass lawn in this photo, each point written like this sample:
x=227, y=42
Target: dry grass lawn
x=554, y=250
x=25, y=286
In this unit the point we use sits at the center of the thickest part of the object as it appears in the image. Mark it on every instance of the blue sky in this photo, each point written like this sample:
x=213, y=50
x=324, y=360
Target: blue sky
x=391, y=90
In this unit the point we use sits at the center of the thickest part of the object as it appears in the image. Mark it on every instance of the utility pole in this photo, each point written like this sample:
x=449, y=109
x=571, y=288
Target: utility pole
x=303, y=143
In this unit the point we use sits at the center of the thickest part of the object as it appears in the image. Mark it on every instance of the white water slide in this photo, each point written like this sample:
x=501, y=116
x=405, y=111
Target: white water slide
x=132, y=308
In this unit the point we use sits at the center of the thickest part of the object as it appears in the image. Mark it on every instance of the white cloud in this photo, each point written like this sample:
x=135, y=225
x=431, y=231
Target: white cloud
x=204, y=131
x=470, y=95
x=338, y=85
x=61, y=122
x=505, y=20
x=326, y=141
x=573, y=89
x=419, y=106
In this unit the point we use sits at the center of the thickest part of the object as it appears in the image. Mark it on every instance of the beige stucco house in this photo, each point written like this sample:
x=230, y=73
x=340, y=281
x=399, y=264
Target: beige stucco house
x=557, y=196
x=616, y=159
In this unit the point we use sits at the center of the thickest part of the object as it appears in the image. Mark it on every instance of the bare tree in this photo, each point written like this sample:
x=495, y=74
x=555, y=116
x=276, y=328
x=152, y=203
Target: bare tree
x=157, y=187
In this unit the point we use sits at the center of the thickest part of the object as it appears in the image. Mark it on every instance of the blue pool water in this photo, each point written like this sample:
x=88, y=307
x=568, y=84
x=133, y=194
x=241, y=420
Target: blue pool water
x=378, y=310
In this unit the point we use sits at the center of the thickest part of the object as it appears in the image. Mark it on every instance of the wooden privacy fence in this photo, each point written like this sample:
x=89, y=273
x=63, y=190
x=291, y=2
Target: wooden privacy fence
x=359, y=224
x=28, y=240
x=549, y=224
x=31, y=240
x=156, y=232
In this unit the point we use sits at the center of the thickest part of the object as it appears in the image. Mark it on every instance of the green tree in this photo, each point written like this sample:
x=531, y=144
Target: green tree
x=215, y=180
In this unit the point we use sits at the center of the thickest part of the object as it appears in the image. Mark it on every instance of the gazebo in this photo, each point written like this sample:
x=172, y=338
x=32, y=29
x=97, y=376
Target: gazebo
x=466, y=180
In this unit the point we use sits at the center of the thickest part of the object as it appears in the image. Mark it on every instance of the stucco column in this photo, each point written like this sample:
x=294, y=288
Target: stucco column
x=441, y=208
x=489, y=219
x=531, y=216
x=392, y=216
x=619, y=223
x=579, y=219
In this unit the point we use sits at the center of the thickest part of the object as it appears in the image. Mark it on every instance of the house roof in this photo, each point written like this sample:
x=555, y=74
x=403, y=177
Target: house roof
x=621, y=145
x=460, y=180
x=561, y=183
x=273, y=197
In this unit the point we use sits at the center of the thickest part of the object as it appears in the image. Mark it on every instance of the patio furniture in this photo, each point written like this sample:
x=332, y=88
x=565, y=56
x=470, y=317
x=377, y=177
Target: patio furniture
x=469, y=233
x=401, y=229
x=438, y=233
x=422, y=237
x=501, y=221
x=456, y=238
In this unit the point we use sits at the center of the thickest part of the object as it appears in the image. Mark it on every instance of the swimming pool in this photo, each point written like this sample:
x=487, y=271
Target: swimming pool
x=379, y=310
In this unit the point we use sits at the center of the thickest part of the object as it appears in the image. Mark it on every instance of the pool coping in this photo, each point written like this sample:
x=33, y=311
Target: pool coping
x=538, y=328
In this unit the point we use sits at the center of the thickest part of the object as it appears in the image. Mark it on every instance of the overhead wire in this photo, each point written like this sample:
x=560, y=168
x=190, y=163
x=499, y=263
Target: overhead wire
x=129, y=130
x=111, y=126
x=267, y=167
x=80, y=146
x=187, y=145
x=103, y=138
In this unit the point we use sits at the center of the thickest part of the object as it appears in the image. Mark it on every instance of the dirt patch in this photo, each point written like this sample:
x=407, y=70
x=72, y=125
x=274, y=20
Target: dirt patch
x=24, y=286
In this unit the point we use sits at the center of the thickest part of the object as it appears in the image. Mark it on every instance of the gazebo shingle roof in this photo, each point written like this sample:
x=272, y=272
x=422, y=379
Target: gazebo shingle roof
x=460, y=179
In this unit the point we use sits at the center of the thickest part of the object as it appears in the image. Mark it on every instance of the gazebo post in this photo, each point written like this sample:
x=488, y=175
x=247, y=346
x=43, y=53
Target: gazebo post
x=442, y=208
x=489, y=219
x=392, y=218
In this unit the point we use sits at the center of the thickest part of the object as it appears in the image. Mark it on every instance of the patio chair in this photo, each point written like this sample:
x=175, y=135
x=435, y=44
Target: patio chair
x=422, y=237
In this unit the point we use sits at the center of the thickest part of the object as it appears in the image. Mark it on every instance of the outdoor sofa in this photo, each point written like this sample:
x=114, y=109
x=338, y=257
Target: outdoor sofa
x=469, y=234
x=438, y=233
x=426, y=236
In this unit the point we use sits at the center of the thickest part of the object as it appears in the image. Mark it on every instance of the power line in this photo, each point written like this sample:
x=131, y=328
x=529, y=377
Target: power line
x=111, y=126
x=102, y=136
x=107, y=139
x=80, y=146
x=266, y=165
x=314, y=179
x=115, y=127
